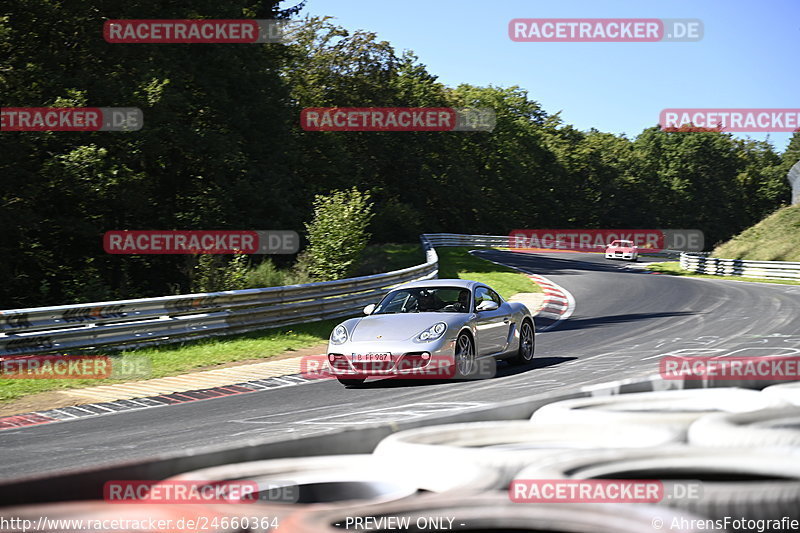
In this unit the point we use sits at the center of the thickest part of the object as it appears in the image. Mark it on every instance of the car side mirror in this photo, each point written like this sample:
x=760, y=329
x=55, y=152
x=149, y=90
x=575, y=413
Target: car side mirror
x=487, y=305
x=369, y=309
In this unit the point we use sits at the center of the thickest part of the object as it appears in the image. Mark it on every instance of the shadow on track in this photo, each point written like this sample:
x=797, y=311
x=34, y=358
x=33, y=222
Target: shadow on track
x=504, y=369
x=584, y=323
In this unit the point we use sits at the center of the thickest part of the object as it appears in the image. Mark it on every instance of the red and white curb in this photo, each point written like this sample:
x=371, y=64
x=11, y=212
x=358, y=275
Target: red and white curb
x=558, y=303
x=88, y=410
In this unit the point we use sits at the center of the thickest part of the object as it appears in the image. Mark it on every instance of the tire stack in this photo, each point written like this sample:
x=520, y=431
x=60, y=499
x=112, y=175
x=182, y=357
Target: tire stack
x=741, y=447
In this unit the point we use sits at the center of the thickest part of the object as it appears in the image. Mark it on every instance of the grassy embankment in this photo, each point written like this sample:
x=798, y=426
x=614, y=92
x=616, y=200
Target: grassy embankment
x=776, y=238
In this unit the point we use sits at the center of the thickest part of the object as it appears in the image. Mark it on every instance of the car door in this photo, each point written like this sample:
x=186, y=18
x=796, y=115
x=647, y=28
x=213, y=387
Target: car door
x=492, y=326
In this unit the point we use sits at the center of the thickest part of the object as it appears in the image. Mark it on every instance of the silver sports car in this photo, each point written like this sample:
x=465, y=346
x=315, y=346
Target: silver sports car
x=424, y=327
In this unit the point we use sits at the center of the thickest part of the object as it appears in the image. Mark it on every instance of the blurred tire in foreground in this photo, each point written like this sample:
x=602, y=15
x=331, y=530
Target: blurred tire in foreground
x=510, y=445
x=749, y=483
x=788, y=392
x=345, y=479
x=676, y=408
x=768, y=427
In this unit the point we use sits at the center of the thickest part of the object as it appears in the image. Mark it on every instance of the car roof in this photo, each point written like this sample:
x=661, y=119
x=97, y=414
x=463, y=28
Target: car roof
x=465, y=283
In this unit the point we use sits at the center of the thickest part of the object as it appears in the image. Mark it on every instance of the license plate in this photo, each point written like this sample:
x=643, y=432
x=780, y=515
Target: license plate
x=358, y=357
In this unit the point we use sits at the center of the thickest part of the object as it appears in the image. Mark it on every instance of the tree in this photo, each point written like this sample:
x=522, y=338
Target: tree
x=337, y=234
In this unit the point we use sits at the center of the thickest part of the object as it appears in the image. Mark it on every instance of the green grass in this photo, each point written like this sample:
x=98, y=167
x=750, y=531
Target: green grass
x=377, y=259
x=673, y=268
x=174, y=359
x=776, y=238
x=457, y=263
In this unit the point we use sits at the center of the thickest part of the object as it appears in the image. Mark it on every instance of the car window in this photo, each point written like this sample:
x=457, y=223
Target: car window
x=485, y=293
x=425, y=300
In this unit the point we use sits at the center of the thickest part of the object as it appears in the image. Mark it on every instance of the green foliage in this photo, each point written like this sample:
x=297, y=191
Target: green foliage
x=380, y=258
x=221, y=148
x=267, y=274
x=776, y=238
x=214, y=273
x=792, y=153
x=338, y=233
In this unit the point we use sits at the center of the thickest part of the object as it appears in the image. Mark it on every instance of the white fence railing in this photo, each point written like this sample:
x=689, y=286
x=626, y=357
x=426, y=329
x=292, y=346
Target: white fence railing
x=162, y=320
x=737, y=267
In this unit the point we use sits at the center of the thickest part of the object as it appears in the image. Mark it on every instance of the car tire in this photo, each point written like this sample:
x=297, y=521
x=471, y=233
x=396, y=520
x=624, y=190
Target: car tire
x=677, y=409
x=351, y=382
x=509, y=446
x=465, y=362
x=338, y=479
x=767, y=427
x=497, y=513
x=741, y=482
x=526, y=346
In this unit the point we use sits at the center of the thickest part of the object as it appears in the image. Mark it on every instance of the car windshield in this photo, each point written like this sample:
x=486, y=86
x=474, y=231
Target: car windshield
x=622, y=244
x=425, y=300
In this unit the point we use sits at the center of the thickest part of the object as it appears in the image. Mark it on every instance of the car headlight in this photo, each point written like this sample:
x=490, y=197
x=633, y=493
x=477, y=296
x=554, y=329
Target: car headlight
x=339, y=335
x=432, y=333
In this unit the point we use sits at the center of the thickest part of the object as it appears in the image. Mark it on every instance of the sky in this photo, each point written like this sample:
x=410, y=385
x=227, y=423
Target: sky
x=749, y=56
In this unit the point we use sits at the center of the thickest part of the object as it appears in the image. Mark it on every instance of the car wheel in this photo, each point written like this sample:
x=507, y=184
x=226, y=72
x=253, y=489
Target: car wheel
x=465, y=361
x=527, y=342
x=351, y=382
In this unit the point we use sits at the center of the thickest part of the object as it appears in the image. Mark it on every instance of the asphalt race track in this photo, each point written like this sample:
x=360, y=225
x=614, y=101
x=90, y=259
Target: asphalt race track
x=624, y=321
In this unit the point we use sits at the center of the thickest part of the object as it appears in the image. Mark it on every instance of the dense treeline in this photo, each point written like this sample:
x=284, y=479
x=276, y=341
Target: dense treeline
x=222, y=149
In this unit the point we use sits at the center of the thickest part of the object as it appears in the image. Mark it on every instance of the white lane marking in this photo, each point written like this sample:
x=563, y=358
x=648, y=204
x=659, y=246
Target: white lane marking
x=258, y=419
x=392, y=414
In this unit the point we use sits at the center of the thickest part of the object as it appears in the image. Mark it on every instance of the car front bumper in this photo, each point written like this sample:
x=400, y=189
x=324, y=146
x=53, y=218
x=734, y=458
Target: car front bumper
x=621, y=255
x=405, y=357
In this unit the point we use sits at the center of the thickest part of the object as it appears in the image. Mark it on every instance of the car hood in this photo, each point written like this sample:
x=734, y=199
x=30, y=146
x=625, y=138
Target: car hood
x=399, y=327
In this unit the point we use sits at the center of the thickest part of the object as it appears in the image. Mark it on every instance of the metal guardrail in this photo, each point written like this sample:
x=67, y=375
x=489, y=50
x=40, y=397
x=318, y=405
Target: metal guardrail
x=167, y=319
x=736, y=267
